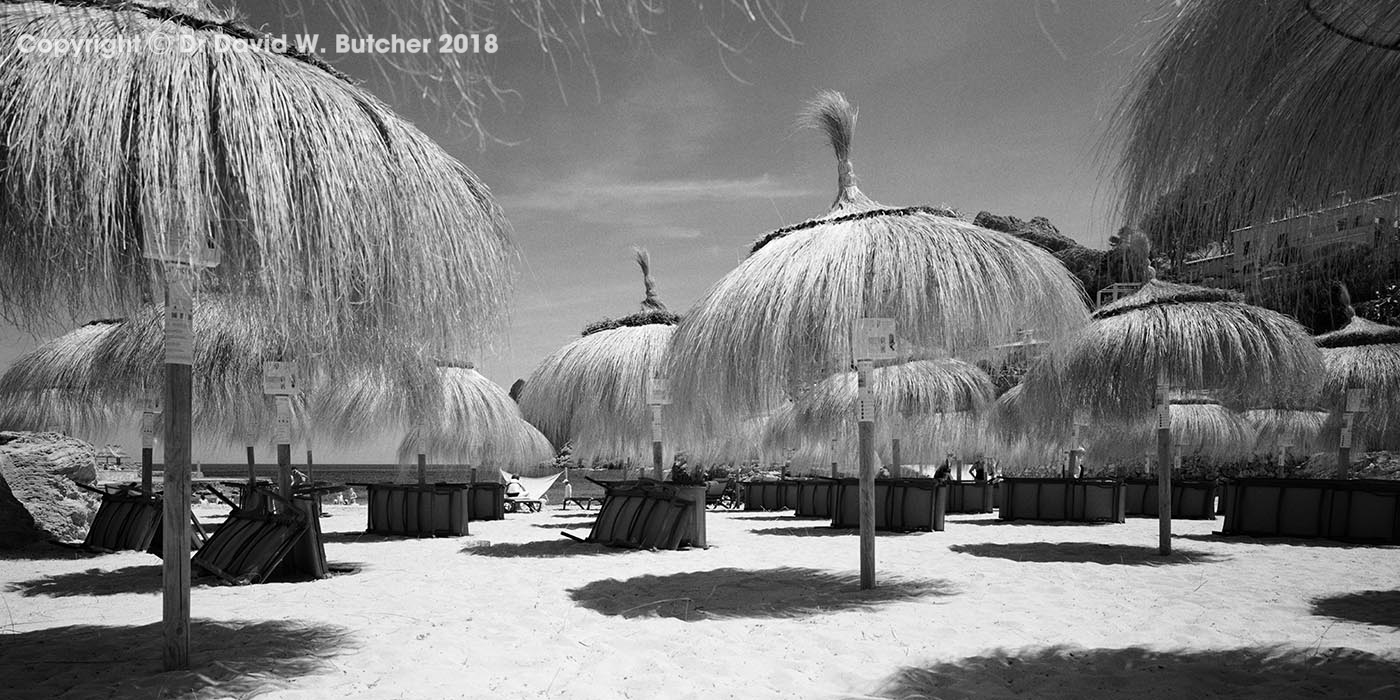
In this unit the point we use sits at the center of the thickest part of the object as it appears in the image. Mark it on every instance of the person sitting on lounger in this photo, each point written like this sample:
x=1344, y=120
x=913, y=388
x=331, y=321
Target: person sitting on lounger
x=514, y=489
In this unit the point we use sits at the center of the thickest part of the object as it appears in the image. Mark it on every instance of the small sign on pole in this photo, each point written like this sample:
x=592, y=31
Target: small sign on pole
x=148, y=428
x=1356, y=400
x=278, y=379
x=282, y=424
x=874, y=339
x=1346, y=430
x=865, y=393
x=175, y=245
x=658, y=390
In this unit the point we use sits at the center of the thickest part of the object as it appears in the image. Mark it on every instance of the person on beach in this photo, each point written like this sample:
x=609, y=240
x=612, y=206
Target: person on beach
x=514, y=489
x=350, y=495
x=944, y=471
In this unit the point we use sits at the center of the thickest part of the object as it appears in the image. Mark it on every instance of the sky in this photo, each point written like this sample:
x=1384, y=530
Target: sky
x=676, y=145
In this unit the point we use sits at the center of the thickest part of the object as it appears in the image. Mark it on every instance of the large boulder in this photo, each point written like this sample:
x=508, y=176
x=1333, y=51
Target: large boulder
x=39, y=494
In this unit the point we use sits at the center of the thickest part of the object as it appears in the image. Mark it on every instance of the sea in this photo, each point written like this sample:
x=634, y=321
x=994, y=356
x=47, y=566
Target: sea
x=408, y=474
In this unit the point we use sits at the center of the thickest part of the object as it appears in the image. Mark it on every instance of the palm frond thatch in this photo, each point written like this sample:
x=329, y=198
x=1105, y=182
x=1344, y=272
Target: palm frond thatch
x=105, y=369
x=783, y=319
x=48, y=387
x=1280, y=428
x=1244, y=355
x=903, y=392
x=1363, y=355
x=1199, y=429
x=343, y=225
x=593, y=392
x=1265, y=105
x=477, y=423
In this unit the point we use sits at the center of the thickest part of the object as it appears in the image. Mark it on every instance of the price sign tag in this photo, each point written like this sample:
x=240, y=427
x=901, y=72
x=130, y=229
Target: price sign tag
x=278, y=379
x=865, y=391
x=1346, y=430
x=1164, y=415
x=179, y=318
x=874, y=339
x=282, y=424
x=659, y=390
x=148, y=428
x=656, y=421
x=174, y=242
x=1356, y=400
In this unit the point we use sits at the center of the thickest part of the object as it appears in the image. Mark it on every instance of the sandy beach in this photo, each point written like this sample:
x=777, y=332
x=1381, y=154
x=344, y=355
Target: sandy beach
x=985, y=609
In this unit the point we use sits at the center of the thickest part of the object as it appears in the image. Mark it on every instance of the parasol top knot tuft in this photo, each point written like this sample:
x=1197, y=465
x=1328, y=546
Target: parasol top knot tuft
x=830, y=113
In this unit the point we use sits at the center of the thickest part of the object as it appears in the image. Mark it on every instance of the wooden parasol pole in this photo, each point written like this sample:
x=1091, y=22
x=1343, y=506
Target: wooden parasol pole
x=835, y=471
x=866, y=417
x=1353, y=406
x=1164, y=464
x=175, y=523
x=148, y=444
x=894, y=457
x=873, y=340
x=658, y=395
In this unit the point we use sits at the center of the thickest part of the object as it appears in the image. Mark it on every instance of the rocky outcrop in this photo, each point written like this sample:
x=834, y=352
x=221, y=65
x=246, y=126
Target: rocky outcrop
x=1038, y=231
x=39, y=494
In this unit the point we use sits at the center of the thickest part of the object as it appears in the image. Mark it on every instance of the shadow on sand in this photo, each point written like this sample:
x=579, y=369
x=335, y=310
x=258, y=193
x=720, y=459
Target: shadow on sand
x=48, y=551
x=1094, y=674
x=1086, y=552
x=131, y=579
x=1369, y=607
x=542, y=548
x=227, y=659
x=361, y=537
x=1276, y=541
x=748, y=593
x=565, y=526
x=815, y=530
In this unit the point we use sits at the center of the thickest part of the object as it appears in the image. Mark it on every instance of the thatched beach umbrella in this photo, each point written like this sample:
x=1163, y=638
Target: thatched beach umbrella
x=1278, y=430
x=188, y=135
x=1263, y=106
x=476, y=423
x=49, y=387
x=1200, y=427
x=1179, y=337
x=592, y=393
x=1364, y=356
x=924, y=406
x=784, y=318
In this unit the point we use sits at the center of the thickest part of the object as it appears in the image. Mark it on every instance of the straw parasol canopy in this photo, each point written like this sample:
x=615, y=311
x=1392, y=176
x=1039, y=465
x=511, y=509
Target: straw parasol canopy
x=782, y=320
x=115, y=364
x=477, y=423
x=338, y=222
x=48, y=387
x=1259, y=106
x=592, y=393
x=1202, y=339
x=1201, y=427
x=1278, y=429
x=1364, y=355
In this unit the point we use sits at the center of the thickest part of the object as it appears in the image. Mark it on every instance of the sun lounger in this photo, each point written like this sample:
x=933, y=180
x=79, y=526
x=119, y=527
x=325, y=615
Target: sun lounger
x=584, y=502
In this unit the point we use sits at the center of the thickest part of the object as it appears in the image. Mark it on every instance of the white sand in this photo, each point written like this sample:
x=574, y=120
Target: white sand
x=772, y=609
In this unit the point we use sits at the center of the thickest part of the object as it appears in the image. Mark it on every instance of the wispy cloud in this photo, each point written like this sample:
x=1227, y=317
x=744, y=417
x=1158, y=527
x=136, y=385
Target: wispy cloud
x=596, y=191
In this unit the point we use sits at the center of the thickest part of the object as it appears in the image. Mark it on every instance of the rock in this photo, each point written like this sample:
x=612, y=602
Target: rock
x=39, y=494
x=1038, y=231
